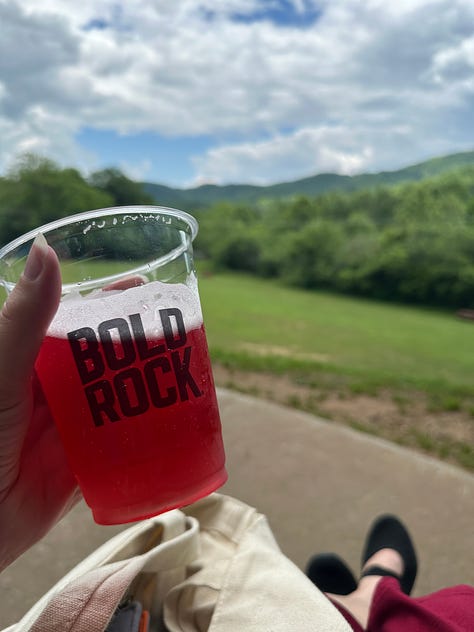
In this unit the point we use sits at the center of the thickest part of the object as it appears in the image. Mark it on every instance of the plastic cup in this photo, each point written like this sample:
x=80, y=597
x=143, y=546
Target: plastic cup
x=125, y=366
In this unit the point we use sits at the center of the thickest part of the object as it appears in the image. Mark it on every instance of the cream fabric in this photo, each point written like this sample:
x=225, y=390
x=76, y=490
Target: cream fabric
x=213, y=567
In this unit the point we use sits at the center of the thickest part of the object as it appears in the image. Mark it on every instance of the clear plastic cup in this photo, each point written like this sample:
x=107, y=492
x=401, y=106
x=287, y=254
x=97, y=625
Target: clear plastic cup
x=125, y=365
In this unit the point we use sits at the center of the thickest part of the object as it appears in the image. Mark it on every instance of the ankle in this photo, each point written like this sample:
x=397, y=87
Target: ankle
x=388, y=559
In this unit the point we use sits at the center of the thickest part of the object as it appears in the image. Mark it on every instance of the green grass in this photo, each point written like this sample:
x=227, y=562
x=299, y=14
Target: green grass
x=259, y=324
x=338, y=344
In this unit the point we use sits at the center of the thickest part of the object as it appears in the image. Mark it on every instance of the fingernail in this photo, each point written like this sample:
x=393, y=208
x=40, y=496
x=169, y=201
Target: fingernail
x=35, y=260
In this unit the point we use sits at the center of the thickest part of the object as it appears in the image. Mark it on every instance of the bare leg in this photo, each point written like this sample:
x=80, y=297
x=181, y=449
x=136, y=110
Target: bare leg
x=358, y=602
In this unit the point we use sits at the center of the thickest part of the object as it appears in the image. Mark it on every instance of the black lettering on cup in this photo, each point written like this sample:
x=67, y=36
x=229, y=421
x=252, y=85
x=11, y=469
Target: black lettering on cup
x=183, y=376
x=131, y=392
x=118, y=354
x=166, y=315
x=101, y=400
x=159, y=400
x=145, y=350
x=85, y=349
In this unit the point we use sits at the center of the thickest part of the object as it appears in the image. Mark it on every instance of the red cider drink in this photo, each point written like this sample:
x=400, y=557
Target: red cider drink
x=133, y=390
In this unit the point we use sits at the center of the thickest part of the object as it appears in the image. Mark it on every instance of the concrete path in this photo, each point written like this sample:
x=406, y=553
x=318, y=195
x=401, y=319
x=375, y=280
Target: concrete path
x=320, y=485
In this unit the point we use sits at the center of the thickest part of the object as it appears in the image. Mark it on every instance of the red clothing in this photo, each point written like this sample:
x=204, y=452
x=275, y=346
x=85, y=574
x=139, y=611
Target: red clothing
x=447, y=610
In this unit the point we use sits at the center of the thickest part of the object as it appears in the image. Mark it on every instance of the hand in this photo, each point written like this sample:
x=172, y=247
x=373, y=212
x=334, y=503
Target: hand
x=36, y=485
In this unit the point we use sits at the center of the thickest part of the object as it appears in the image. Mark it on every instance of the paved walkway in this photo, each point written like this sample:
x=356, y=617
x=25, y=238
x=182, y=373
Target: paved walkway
x=320, y=485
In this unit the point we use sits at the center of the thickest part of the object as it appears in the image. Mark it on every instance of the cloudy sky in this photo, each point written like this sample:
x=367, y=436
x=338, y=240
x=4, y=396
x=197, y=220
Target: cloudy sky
x=191, y=91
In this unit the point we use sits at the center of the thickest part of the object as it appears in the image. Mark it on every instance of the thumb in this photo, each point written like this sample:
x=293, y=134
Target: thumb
x=25, y=318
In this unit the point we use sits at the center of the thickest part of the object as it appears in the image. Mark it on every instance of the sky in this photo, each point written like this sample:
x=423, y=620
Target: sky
x=187, y=92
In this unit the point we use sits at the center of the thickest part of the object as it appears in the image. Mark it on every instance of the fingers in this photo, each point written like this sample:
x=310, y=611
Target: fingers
x=24, y=320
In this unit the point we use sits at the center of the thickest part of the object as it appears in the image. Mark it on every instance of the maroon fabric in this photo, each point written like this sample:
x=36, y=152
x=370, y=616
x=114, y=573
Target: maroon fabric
x=447, y=610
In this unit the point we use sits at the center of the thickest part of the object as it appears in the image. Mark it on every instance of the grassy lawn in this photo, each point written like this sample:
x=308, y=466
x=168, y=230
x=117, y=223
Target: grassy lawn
x=402, y=373
x=376, y=343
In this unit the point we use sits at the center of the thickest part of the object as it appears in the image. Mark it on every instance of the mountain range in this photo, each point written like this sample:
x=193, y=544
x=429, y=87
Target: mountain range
x=208, y=194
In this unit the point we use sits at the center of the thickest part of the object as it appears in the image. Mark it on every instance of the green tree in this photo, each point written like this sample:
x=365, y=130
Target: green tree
x=121, y=189
x=359, y=248
x=311, y=255
x=37, y=191
x=227, y=236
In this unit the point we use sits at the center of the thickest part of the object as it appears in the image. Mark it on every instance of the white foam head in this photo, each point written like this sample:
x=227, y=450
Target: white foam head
x=77, y=311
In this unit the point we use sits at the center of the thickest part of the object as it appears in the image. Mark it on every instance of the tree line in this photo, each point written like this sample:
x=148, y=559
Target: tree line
x=411, y=243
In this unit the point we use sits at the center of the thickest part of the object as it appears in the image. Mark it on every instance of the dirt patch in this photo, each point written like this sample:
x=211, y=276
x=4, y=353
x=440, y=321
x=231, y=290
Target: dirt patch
x=402, y=418
x=367, y=409
x=284, y=352
x=383, y=413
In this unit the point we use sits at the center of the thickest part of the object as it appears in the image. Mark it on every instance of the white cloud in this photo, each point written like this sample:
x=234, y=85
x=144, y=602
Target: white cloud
x=139, y=171
x=368, y=85
x=301, y=153
x=455, y=64
x=307, y=151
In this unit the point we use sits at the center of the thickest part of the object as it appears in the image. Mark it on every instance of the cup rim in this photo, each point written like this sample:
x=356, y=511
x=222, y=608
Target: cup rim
x=97, y=213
